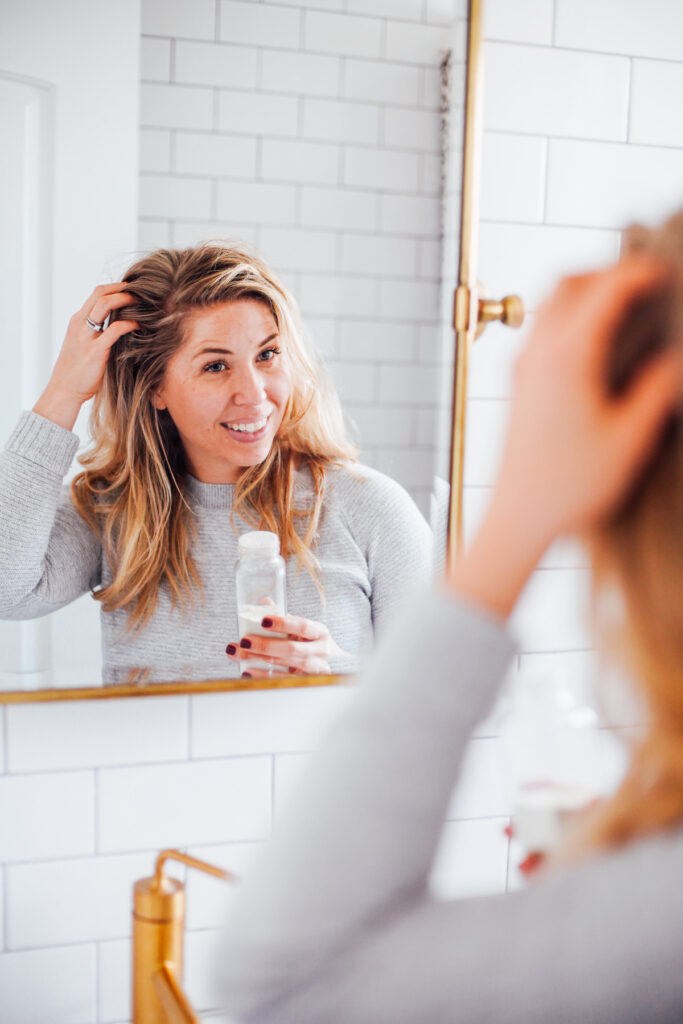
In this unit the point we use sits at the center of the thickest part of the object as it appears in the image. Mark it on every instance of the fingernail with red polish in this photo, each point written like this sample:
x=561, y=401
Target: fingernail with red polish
x=246, y=644
x=246, y=675
x=231, y=649
x=266, y=623
x=292, y=668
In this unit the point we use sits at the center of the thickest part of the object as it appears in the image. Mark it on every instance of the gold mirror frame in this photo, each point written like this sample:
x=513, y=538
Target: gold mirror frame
x=471, y=312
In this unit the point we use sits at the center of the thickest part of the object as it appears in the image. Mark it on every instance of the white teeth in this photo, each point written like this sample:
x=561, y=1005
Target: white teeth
x=249, y=428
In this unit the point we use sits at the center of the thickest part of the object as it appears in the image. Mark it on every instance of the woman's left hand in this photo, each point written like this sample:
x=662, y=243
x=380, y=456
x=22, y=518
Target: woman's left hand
x=302, y=646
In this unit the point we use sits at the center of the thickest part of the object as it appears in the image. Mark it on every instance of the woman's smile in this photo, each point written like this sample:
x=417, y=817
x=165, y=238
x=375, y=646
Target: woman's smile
x=247, y=432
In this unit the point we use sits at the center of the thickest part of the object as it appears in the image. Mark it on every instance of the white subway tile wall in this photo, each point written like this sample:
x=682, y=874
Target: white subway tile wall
x=263, y=722
x=208, y=801
x=114, y=974
x=88, y=734
x=472, y=859
x=57, y=984
x=308, y=129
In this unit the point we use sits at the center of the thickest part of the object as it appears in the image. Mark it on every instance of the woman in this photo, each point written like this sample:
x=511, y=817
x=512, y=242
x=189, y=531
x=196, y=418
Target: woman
x=336, y=923
x=209, y=419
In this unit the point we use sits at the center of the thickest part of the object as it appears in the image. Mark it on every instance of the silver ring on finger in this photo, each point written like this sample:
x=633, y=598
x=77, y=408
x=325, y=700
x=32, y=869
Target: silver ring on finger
x=93, y=326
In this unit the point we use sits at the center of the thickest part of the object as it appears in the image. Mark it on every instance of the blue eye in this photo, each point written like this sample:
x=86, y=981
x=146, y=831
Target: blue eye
x=215, y=367
x=268, y=355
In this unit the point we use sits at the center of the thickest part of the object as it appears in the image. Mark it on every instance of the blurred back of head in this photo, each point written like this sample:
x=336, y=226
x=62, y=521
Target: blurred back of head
x=637, y=557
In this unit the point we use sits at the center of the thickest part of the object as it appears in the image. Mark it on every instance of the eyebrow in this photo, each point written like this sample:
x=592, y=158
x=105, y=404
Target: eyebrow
x=228, y=352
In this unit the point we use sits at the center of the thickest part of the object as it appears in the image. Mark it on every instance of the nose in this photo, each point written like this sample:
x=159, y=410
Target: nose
x=248, y=386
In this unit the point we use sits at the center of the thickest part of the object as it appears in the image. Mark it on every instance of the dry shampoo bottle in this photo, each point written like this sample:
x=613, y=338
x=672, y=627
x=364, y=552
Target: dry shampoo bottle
x=261, y=591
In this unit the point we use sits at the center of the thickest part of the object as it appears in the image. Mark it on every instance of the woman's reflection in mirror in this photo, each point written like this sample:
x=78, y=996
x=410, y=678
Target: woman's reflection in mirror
x=211, y=417
x=337, y=921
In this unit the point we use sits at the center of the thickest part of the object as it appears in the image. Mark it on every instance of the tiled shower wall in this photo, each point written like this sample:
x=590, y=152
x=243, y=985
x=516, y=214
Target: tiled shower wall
x=582, y=135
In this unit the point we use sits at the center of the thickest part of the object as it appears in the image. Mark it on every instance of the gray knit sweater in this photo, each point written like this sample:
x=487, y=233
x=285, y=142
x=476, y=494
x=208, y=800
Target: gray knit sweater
x=373, y=546
x=335, y=925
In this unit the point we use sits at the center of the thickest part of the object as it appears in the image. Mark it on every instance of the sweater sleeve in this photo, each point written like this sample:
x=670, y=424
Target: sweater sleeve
x=336, y=924
x=396, y=539
x=48, y=554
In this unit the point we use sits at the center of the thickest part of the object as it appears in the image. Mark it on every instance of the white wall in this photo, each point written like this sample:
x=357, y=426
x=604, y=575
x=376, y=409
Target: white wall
x=90, y=791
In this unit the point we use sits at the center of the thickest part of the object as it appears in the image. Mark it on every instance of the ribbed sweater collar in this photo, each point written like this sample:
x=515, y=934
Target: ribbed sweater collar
x=222, y=495
x=210, y=495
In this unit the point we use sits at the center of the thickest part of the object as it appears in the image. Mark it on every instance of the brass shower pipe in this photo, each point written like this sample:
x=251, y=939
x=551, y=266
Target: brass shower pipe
x=472, y=309
x=158, y=932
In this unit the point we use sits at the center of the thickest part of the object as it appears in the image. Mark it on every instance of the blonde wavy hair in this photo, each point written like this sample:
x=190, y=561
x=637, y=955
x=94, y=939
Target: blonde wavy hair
x=132, y=488
x=639, y=553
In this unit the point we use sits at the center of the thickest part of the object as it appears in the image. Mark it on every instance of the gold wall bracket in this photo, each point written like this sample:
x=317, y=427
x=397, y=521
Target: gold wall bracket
x=158, y=924
x=473, y=310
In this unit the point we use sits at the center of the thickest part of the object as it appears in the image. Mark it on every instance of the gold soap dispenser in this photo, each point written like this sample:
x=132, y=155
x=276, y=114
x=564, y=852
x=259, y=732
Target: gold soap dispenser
x=158, y=929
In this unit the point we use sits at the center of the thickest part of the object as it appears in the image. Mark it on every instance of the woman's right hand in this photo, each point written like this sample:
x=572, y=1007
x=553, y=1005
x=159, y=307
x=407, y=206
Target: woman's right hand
x=79, y=370
x=571, y=448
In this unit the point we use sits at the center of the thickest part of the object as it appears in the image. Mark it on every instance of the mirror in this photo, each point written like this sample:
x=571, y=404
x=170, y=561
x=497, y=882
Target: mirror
x=326, y=145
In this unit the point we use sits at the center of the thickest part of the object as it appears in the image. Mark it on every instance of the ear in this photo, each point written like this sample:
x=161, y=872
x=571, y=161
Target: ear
x=157, y=401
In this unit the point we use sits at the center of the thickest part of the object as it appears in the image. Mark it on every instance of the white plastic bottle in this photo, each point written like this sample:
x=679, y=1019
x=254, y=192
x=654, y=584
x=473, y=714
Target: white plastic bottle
x=260, y=578
x=557, y=760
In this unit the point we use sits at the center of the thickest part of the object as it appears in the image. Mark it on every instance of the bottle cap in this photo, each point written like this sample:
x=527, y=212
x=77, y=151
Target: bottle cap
x=262, y=543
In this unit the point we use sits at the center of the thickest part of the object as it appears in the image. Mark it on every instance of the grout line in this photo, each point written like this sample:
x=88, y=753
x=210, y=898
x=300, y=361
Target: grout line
x=105, y=855
x=599, y=141
x=96, y=817
x=339, y=251
x=581, y=50
x=258, y=169
x=82, y=944
x=300, y=117
x=546, y=148
x=5, y=916
x=201, y=86
x=615, y=230
x=629, y=101
x=174, y=762
x=553, y=31
x=217, y=22
x=353, y=101
x=215, y=111
x=259, y=71
x=97, y=980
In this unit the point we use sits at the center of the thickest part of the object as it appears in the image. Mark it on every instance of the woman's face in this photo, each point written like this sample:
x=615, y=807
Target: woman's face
x=226, y=388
